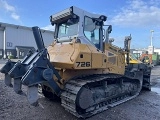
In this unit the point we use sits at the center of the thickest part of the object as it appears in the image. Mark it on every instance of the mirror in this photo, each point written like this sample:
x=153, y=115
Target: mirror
x=109, y=28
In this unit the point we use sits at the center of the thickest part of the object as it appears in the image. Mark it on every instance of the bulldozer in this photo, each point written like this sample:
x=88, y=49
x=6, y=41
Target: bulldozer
x=80, y=66
x=133, y=59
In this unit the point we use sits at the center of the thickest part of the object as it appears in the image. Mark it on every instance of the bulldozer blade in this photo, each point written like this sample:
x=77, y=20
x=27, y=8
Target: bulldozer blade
x=8, y=80
x=17, y=85
x=32, y=95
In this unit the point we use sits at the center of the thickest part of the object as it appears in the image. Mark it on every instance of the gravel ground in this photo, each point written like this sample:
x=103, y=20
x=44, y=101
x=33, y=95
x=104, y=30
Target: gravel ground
x=16, y=107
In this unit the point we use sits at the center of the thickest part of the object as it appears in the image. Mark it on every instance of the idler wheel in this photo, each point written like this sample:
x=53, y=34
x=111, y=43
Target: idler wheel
x=85, y=98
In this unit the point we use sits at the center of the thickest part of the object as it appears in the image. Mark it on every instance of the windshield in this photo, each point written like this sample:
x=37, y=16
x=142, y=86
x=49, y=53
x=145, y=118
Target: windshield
x=133, y=56
x=92, y=31
x=68, y=28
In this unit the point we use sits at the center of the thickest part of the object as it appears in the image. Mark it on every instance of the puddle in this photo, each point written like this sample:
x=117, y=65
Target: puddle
x=157, y=90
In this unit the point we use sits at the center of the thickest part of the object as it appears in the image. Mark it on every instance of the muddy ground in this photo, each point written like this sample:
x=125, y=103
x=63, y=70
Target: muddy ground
x=16, y=107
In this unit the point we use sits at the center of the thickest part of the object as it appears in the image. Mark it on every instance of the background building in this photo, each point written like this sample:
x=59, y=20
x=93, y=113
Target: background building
x=16, y=40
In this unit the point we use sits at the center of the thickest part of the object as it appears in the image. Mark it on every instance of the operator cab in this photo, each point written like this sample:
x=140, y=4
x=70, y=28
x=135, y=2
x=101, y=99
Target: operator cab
x=75, y=23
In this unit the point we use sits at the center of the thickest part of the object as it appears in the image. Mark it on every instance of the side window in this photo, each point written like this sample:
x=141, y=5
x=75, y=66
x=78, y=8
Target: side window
x=91, y=31
x=68, y=28
x=88, y=35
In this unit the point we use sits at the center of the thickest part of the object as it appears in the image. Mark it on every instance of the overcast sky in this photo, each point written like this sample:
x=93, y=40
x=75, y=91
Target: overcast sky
x=135, y=17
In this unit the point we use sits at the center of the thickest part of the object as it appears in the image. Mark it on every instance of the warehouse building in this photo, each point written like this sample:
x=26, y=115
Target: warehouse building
x=16, y=41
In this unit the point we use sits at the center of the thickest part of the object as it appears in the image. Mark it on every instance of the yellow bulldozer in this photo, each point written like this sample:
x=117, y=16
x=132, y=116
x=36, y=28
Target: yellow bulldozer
x=80, y=67
x=133, y=59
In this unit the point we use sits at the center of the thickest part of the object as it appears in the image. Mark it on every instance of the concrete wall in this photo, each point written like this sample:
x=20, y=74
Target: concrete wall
x=20, y=36
x=24, y=37
x=48, y=37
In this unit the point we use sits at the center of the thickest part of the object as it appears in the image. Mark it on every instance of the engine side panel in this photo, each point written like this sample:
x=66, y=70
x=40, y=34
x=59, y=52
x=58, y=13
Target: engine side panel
x=115, y=59
x=79, y=56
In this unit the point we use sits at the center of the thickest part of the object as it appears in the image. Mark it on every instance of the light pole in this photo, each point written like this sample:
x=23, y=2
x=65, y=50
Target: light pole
x=151, y=36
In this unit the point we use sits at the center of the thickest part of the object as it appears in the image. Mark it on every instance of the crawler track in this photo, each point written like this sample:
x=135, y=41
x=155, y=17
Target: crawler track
x=89, y=95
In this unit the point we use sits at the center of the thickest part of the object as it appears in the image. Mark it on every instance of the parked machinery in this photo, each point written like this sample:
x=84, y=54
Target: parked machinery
x=80, y=67
x=146, y=58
